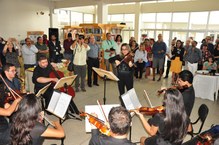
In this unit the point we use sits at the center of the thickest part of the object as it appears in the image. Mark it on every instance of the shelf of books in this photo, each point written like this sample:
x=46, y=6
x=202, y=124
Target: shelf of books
x=73, y=30
x=94, y=29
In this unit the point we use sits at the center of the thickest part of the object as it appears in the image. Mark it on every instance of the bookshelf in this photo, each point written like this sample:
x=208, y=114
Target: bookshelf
x=114, y=29
x=72, y=29
x=95, y=29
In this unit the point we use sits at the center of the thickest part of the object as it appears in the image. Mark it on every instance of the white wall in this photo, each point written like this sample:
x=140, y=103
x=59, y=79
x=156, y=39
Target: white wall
x=19, y=16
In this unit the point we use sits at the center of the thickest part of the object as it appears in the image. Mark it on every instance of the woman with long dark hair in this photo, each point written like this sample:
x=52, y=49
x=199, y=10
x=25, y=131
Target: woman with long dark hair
x=169, y=127
x=26, y=127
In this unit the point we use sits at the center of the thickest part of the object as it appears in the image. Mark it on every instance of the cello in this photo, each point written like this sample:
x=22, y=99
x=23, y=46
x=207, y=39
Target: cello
x=58, y=74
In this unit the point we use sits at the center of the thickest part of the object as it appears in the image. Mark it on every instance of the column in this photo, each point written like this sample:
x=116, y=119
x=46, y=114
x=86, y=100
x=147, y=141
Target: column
x=137, y=21
x=102, y=12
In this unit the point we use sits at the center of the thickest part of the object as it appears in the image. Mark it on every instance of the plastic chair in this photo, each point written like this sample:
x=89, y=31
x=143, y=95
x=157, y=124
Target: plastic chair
x=202, y=115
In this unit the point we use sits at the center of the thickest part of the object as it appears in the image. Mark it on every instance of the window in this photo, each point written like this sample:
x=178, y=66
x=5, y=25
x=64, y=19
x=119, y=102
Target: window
x=148, y=20
x=198, y=20
x=180, y=20
x=214, y=21
x=163, y=20
x=88, y=18
x=63, y=17
x=117, y=17
x=76, y=18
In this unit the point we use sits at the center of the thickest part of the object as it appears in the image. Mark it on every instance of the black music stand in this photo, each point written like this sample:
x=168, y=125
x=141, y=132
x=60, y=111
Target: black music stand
x=65, y=82
x=40, y=93
x=105, y=75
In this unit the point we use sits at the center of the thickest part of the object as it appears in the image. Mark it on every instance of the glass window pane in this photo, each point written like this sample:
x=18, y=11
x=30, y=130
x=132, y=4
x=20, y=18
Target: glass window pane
x=149, y=17
x=117, y=17
x=76, y=18
x=88, y=18
x=129, y=17
x=148, y=25
x=198, y=20
x=63, y=17
x=214, y=21
x=180, y=20
x=163, y=20
x=163, y=17
x=109, y=18
x=179, y=35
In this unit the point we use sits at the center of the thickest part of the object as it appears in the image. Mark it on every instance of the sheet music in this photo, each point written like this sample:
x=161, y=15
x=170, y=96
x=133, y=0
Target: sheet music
x=95, y=109
x=62, y=104
x=130, y=100
x=53, y=101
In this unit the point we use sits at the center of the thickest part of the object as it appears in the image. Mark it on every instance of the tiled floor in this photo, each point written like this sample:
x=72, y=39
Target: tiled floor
x=75, y=129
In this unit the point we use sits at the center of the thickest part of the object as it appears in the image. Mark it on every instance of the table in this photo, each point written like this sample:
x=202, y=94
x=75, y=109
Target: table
x=206, y=86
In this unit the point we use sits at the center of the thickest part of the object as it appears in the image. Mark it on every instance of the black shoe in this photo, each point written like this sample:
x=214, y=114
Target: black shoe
x=165, y=77
x=89, y=85
x=153, y=79
x=83, y=90
x=158, y=80
x=96, y=84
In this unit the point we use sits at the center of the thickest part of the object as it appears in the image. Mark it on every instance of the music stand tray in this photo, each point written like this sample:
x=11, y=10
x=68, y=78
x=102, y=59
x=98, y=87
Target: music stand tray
x=65, y=81
x=43, y=90
x=105, y=75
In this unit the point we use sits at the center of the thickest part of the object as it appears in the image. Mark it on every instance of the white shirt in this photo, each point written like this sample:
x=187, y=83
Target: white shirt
x=29, y=54
x=80, y=54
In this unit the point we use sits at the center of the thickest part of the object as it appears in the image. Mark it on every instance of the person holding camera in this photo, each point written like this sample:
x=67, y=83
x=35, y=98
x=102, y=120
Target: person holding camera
x=80, y=55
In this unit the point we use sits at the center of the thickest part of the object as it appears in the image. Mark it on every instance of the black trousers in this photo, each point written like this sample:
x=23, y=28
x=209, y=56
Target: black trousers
x=125, y=80
x=168, y=67
x=92, y=62
x=140, y=67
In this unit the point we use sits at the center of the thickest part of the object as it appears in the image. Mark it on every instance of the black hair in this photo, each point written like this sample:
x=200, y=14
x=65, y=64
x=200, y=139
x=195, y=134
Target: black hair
x=41, y=57
x=81, y=36
x=24, y=120
x=186, y=75
x=7, y=66
x=176, y=120
x=38, y=38
x=119, y=120
x=117, y=37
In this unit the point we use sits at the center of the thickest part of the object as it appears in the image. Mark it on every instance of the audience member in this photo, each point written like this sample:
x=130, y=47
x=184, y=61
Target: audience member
x=80, y=51
x=29, y=54
x=68, y=53
x=42, y=48
x=159, y=50
x=55, y=54
x=148, y=64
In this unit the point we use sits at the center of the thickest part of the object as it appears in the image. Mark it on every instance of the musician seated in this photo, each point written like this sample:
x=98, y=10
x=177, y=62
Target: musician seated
x=9, y=74
x=41, y=78
x=164, y=128
x=119, y=123
x=6, y=111
x=185, y=86
x=26, y=127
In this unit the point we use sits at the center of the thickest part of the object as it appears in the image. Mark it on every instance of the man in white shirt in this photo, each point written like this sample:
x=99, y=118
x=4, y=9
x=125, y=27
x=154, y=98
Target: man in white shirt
x=29, y=54
x=80, y=55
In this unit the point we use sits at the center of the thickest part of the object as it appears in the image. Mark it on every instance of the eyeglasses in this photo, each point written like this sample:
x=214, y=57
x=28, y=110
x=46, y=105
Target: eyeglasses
x=125, y=49
x=13, y=71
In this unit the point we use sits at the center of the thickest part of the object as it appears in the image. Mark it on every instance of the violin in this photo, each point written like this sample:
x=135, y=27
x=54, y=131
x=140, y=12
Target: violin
x=150, y=111
x=128, y=58
x=206, y=139
x=99, y=124
x=180, y=88
x=59, y=75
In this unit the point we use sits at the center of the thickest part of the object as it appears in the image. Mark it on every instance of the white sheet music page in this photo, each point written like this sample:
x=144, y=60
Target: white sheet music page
x=62, y=105
x=130, y=100
x=53, y=102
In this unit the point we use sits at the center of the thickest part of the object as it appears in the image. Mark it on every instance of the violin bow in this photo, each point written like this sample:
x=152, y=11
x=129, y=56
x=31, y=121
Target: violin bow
x=148, y=98
x=102, y=111
x=9, y=88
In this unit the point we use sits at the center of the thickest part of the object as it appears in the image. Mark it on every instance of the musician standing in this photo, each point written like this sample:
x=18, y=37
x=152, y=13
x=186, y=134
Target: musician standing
x=93, y=56
x=124, y=69
x=119, y=122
